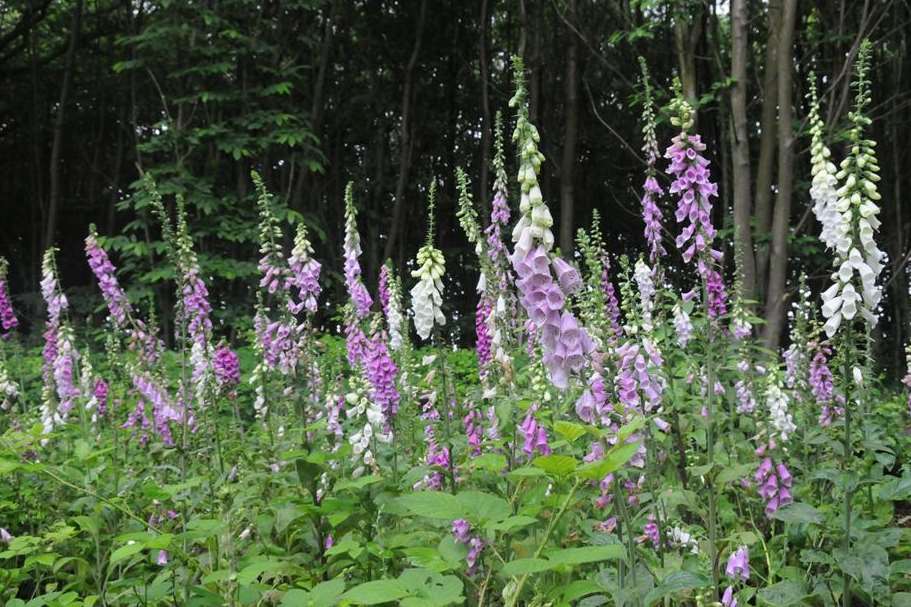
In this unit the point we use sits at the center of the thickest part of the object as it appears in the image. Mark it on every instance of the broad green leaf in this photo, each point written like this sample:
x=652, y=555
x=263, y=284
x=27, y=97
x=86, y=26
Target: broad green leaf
x=782, y=594
x=251, y=572
x=433, y=504
x=556, y=465
x=733, y=473
x=798, y=512
x=569, y=431
x=615, y=459
x=523, y=566
x=482, y=507
x=125, y=552
x=325, y=594
x=494, y=462
x=586, y=554
x=674, y=583
x=376, y=592
x=513, y=522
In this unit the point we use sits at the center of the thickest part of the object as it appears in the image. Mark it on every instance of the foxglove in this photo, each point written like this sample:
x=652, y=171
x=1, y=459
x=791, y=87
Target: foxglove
x=543, y=281
x=858, y=260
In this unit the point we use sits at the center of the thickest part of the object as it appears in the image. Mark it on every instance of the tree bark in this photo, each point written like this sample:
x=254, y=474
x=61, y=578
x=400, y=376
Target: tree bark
x=59, y=121
x=405, y=141
x=687, y=31
x=571, y=136
x=740, y=151
x=768, y=133
x=485, y=108
x=778, y=264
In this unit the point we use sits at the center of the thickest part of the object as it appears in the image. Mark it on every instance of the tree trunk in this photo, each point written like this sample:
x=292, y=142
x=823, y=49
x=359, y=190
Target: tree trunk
x=765, y=167
x=740, y=151
x=778, y=266
x=571, y=136
x=59, y=119
x=405, y=142
x=687, y=31
x=485, y=109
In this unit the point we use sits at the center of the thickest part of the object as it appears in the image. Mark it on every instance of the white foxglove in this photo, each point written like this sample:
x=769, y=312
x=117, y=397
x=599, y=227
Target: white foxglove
x=427, y=294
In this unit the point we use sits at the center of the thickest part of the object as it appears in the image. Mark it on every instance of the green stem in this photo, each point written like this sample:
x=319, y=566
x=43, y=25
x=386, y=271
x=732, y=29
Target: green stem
x=550, y=528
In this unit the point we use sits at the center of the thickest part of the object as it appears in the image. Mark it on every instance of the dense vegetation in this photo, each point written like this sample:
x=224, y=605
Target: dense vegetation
x=252, y=410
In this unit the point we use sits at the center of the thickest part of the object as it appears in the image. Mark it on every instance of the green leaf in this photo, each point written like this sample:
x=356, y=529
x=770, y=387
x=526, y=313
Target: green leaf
x=782, y=594
x=513, y=522
x=674, y=583
x=556, y=465
x=433, y=504
x=251, y=572
x=526, y=472
x=612, y=461
x=798, y=512
x=586, y=554
x=494, y=462
x=326, y=594
x=733, y=473
x=376, y=592
x=523, y=566
x=125, y=552
x=569, y=431
x=483, y=507
x=901, y=599
x=7, y=466
x=357, y=483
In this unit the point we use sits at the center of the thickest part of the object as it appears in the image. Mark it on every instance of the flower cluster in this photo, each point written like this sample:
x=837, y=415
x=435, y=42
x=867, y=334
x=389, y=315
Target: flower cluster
x=737, y=570
x=352, y=249
x=693, y=183
x=461, y=532
x=777, y=400
x=8, y=320
x=381, y=372
x=164, y=412
x=824, y=188
x=427, y=294
x=534, y=434
x=304, y=274
x=226, y=367
x=651, y=213
x=638, y=382
x=392, y=307
x=543, y=283
x=774, y=484
x=858, y=260
x=362, y=409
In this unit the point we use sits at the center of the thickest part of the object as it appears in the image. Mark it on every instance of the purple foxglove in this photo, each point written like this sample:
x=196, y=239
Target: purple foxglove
x=8, y=320
x=226, y=367
x=352, y=250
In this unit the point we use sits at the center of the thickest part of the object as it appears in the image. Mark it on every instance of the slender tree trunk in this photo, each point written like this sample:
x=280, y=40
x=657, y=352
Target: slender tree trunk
x=687, y=31
x=59, y=122
x=485, y=108
x=570, y=138
x=778, y=266
x=765, y=167
x=405, y=141
x=318, y=104
x=740, y=150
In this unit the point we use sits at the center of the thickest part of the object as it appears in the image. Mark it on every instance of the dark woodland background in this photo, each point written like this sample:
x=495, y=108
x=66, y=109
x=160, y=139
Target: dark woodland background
x=392, y=94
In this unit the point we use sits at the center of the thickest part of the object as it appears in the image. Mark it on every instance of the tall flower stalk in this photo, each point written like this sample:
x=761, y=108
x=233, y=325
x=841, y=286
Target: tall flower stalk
x=544, y=280
x=427, y=294
x=850, y=303
x=651, y=191
x=694, y=186
x=61, y=358
x=8, y=320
